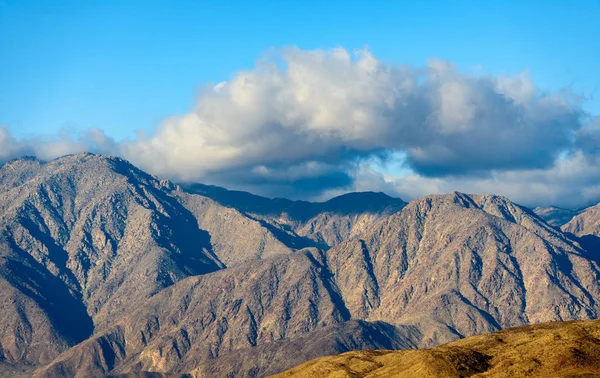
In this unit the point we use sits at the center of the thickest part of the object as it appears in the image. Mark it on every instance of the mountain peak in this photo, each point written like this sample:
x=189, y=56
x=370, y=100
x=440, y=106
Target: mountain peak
x=491, y=204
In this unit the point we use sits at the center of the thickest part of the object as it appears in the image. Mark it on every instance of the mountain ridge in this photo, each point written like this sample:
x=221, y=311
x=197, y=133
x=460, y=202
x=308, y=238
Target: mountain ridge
x=325, y=223
x=172, y=282
x=300, y=209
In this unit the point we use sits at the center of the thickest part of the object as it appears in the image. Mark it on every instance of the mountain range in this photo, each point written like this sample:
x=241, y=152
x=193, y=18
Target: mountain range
x=107, y=270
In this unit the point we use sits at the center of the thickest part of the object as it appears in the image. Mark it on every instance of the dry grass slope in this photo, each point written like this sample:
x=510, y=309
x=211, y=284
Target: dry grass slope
x=558, y=349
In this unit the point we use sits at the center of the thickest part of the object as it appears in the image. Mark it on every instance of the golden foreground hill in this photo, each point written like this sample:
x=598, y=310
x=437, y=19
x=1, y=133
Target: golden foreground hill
x=557, y=349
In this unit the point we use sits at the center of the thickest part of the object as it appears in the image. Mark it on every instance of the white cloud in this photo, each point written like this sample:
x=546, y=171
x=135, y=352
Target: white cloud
x=304, y=123
x=572, y=182
x=332, y=105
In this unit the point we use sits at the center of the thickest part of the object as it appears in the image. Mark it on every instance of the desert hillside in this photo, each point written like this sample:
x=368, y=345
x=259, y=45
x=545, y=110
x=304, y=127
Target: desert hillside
x=558, y=349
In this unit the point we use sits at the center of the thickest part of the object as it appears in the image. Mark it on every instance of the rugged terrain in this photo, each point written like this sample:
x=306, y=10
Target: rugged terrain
x=85, y=239
x=457, y=265
x=106, y=270
x=560, y=349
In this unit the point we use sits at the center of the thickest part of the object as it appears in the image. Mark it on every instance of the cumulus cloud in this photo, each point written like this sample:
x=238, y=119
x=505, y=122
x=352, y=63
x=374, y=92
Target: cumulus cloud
x=307, y=124
x=328, y=106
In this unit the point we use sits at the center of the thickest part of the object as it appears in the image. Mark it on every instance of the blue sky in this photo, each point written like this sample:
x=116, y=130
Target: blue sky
x=125, y=65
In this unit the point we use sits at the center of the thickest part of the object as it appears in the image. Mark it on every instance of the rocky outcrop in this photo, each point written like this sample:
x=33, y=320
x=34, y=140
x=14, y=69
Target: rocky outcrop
x=585, y=223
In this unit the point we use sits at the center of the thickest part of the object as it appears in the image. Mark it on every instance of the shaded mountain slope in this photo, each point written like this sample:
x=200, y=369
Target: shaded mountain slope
x=202, y=317
x=584, y=228
x=273, y=357
x=327, y=223
x=85, y=239
x=560, y=349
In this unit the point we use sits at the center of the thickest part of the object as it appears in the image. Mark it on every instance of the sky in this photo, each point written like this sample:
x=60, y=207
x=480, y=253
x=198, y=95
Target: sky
x=309, y=99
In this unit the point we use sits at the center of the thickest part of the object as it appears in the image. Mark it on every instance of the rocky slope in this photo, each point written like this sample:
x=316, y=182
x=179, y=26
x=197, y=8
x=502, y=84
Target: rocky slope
x=443, y=268
x=234, y=237
x=85, y=239
x=273, y=357
x=560, y=349
x=458, y=265
x=205, y=317
x=584, y=229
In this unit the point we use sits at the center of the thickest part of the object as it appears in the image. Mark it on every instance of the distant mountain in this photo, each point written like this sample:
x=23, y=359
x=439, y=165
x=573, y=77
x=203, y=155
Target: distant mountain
x=560, y=349
x=300, y=211
x=326, y=223
x=555, y=216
